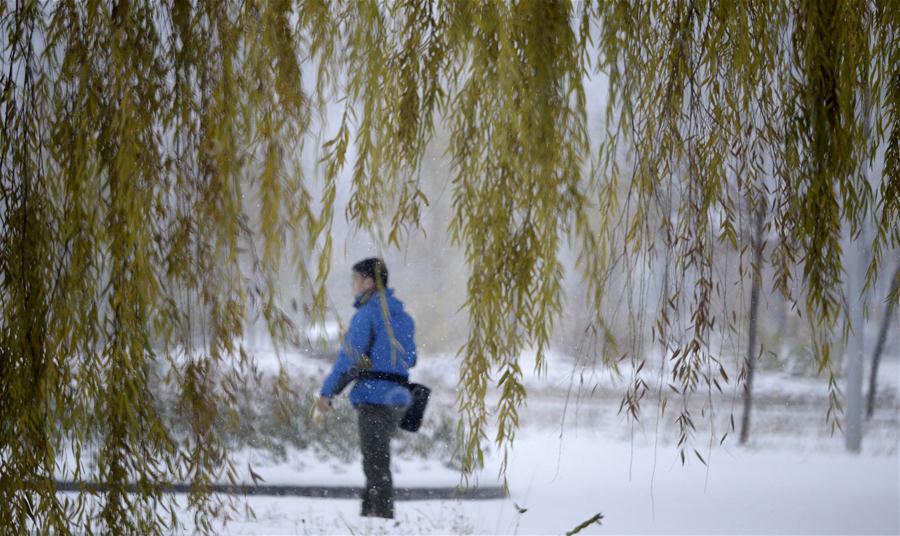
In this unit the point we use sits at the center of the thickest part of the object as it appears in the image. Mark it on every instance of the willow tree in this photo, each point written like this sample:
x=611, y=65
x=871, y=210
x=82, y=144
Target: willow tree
x=150, y=179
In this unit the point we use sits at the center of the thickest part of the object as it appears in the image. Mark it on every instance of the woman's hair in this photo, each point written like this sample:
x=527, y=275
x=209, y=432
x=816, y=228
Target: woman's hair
x=375, y=268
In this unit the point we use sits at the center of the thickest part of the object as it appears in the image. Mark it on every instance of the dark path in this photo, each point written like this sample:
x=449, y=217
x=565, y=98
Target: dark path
x=329, y=492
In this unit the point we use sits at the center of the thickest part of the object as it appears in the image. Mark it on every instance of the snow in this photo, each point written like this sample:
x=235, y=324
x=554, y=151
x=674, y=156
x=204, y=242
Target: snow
x=792, y=478
x=561, y=483
x=329, y=330
x=306, y=469
x=576, y=456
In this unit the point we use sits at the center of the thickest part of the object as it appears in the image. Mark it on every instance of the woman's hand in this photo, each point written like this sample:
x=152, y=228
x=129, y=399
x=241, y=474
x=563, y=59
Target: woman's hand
x=323, y=405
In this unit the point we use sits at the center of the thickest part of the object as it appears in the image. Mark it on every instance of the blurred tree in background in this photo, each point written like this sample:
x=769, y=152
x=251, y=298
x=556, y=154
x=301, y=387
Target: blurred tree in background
x=152, y=193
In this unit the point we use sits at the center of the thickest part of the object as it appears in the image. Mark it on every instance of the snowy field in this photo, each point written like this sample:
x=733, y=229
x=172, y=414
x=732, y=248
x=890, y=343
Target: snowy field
x=744, y=492
x=792, y=478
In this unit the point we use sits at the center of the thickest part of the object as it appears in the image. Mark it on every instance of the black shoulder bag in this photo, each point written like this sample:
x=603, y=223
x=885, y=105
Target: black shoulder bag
x=412, y=419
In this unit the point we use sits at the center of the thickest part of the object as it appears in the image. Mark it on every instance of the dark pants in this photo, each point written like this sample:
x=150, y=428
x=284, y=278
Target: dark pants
x=377, y=424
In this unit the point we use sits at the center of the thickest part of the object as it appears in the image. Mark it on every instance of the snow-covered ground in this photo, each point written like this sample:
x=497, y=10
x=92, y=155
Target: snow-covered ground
x=742, y=492
x=792, y=478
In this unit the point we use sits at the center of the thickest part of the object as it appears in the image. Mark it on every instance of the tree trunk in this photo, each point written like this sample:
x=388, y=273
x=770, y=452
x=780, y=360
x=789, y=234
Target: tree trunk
x=879, y=344
x=754, y=314
x=856, y=261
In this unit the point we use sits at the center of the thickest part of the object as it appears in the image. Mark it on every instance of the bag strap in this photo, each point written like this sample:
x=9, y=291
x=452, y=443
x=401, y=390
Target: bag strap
x=378, y=375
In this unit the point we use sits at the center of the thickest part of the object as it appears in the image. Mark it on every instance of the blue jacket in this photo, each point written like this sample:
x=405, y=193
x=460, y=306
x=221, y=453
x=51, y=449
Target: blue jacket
x=369, y=334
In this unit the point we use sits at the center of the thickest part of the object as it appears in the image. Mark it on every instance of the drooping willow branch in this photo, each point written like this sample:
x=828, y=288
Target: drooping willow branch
x=151, y=192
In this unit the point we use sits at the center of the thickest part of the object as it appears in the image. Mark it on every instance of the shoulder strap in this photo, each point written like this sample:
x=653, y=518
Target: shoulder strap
x=378, y=375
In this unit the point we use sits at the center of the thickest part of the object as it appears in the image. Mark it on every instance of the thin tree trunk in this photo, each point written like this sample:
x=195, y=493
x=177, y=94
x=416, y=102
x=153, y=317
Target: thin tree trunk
x=856, y=261
x=879, y=344
x=754, y=314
